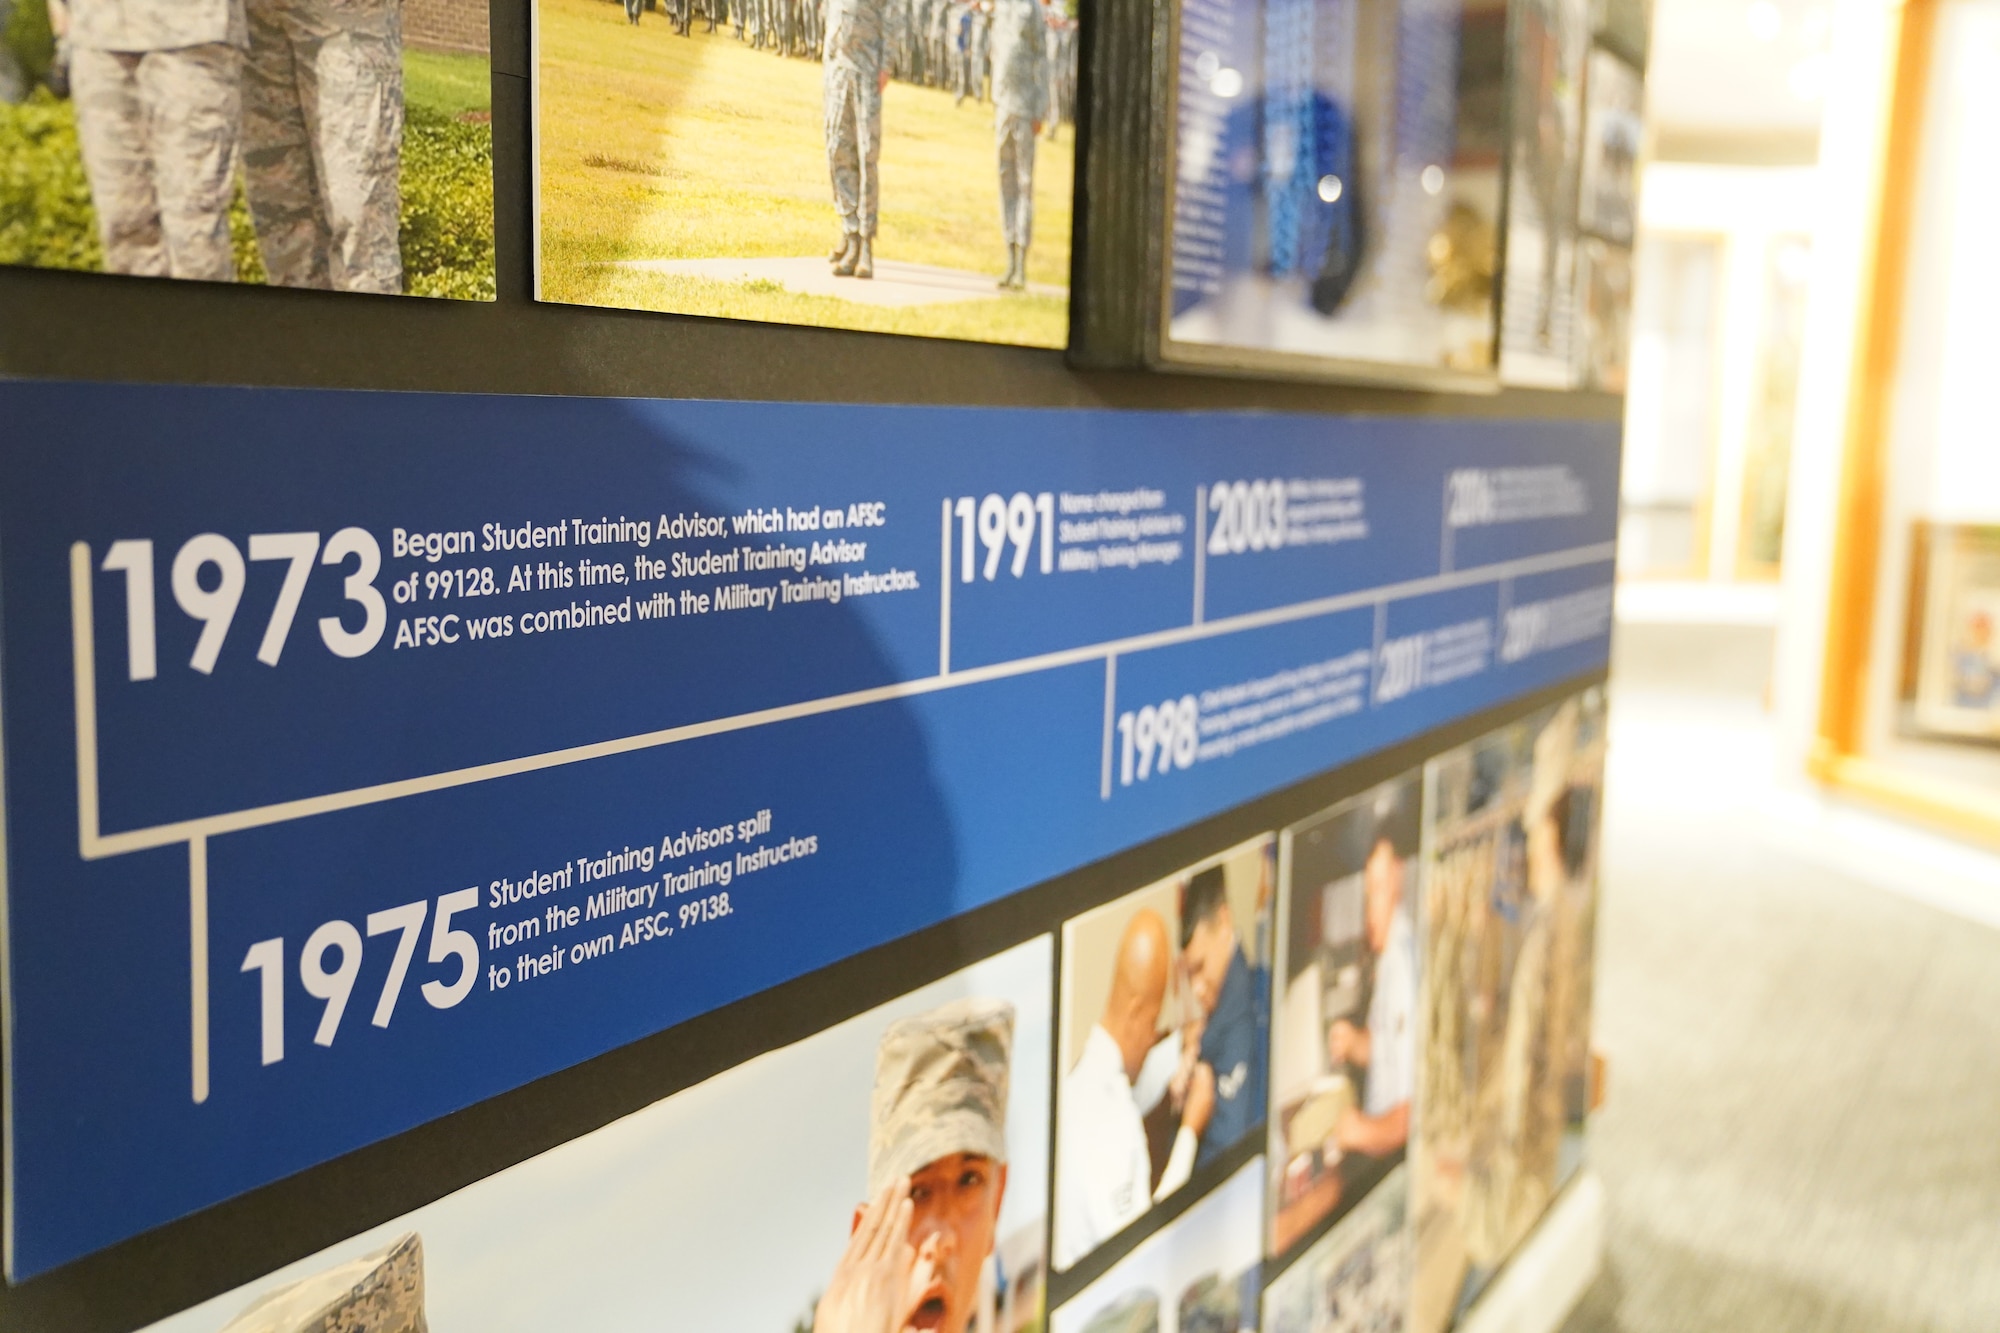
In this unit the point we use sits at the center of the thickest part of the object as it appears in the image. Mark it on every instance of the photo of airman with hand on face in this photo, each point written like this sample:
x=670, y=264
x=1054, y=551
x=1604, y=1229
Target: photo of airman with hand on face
x=937, y=1174
x=885, y=1175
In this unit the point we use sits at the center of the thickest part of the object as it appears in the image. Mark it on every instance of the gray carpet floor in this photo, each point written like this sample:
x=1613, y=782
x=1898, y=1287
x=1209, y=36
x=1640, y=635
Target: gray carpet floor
x=1803, y=1123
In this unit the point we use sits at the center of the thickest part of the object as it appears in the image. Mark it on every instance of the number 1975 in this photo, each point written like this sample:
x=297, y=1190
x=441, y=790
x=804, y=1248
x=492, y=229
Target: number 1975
x=335, y=985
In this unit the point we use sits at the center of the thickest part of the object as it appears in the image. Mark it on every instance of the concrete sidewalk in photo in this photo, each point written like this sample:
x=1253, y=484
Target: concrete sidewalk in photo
x=894, y=285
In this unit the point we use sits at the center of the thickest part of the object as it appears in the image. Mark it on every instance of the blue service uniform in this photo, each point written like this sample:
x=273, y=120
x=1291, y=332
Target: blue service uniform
x=1233, y=1045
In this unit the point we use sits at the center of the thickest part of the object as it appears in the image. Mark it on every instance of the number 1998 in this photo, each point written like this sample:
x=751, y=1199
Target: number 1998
x=1159, y=736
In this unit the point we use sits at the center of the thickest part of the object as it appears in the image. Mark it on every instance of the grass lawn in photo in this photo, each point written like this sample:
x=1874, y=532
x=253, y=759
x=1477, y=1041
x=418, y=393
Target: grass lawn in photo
x=688, y=174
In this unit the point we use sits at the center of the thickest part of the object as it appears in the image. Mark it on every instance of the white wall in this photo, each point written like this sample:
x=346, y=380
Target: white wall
x=1748, y=209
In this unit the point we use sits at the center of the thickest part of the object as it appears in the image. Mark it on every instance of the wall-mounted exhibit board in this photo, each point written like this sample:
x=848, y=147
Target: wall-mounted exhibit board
x=1433, y=193
x=949, y=774
x=429, y=746
x=451, y=690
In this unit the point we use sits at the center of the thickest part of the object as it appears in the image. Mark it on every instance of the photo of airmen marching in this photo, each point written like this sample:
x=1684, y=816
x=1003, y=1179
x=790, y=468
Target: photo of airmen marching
x=343, y=145
x=901, y=166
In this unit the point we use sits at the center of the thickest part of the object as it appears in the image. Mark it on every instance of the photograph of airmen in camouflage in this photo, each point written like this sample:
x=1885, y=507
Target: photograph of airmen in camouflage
x=902, y=166
x=344, y=145
x=1343, y=1037
x=1506, y=930
x=1198, y=1274
x=1354, y=1279
x=1163, y=1041
x=886, y=1175
x=1608, y=212
x=1549, y=43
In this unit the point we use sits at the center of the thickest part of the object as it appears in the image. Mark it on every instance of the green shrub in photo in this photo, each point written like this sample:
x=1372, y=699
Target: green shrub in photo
x=45, y=214
x=46, y=219
x=447, y=230
x=26, y=33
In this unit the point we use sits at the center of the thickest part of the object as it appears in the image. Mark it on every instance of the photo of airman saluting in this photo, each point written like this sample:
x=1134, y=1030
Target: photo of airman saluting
x=937, y=1174
x=887, y=1174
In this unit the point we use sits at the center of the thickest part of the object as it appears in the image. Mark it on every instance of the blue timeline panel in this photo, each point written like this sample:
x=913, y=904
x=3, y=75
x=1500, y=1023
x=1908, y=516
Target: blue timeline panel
x=368, y=755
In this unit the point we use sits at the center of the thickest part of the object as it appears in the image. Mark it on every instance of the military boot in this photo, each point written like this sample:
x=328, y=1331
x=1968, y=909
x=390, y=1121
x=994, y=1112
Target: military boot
x=864, y=259
x=844, y=251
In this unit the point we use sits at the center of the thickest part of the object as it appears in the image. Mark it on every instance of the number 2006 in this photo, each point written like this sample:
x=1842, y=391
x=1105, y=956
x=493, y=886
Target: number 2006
x=267, y=959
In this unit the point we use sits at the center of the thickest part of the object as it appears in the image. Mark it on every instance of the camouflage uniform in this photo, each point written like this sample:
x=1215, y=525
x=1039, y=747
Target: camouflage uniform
x=323, y=141
x=939, y=45
x=1052, y=43
x=381, y=1292
x=13, y=79
x=982, y=34
x=155, y=87
x=855, y=52
x=1020, y=98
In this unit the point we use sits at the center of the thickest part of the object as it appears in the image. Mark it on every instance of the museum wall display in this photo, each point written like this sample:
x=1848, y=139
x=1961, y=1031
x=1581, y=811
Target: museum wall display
x=755, y=728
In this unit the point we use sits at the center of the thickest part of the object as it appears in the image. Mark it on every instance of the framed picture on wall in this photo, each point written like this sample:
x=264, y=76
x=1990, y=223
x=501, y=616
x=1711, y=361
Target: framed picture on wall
x=340, y=147
x=1321, y=207
x=895, y=166
x=1317, y=193
x=1952, y=680
x=1613, y=126
x=1548, y=47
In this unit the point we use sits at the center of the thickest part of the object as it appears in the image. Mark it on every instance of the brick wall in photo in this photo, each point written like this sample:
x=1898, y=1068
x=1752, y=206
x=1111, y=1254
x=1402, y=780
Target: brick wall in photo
x=446, y=25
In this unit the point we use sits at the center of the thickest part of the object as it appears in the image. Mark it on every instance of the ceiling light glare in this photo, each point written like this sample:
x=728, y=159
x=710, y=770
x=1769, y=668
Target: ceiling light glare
x=1207, y=65
x=1765, y=20
x=1329, y=189
x=1807, y=80
x=1227, y=83
x=1432, y=179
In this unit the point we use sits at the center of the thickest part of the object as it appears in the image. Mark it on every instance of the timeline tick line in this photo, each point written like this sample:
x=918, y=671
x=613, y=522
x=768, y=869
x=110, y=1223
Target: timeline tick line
x=95, y=844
